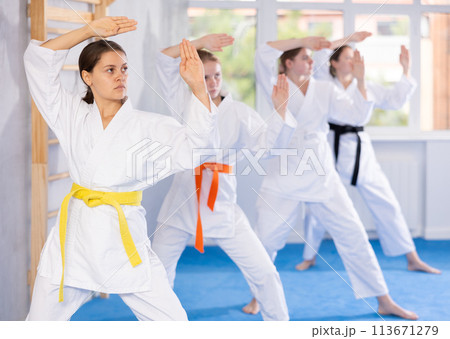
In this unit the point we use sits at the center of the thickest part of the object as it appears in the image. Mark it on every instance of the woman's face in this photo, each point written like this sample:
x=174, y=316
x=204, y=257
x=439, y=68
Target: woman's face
x=344, y=65
x=213, y=78
x=108, y=79
x=301, y=65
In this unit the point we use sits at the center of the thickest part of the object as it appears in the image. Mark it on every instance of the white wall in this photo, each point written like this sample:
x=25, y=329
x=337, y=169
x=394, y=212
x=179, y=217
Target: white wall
x=437, y=194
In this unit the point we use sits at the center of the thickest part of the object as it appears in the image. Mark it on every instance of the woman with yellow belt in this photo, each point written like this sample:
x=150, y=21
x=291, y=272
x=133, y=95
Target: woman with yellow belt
x=100, y=240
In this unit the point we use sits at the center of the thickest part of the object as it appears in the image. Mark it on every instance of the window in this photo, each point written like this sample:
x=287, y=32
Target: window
x=421, y=25
x=381, y=55
x=293, y=23
x=237, y=60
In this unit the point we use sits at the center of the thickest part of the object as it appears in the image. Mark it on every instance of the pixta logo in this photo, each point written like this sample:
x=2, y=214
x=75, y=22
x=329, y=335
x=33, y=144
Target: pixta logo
x=148, y=161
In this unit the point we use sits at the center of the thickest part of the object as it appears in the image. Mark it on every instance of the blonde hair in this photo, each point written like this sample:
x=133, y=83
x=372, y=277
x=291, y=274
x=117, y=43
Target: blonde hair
x=207, y=56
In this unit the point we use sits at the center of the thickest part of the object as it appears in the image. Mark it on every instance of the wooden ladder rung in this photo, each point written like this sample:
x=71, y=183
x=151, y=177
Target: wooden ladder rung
x=59, y=31
x=66, y=15
x=94, y=2
x=53, y=141
x=52, y=214
x=63, y=14
x=58, y=176
x=70, y=68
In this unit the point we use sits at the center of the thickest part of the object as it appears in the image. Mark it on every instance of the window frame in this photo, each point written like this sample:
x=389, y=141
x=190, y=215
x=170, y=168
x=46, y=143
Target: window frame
x=267, y=14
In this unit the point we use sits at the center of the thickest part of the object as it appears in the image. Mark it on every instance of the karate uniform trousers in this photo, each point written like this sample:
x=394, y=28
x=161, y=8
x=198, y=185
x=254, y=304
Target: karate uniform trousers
x=372, y=184
x=320, y=188
x=239, y=127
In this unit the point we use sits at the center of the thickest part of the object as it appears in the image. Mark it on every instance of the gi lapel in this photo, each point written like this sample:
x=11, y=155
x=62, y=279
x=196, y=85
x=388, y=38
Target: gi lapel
x=103, y=138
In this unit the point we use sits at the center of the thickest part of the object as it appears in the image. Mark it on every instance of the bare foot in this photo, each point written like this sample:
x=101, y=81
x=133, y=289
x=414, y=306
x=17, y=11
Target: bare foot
x=416, y=264
x=387, y=306
x=252, y=307
x=305, y=264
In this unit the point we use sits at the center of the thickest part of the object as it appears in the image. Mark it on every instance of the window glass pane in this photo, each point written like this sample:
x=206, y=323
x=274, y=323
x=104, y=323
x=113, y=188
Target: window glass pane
x=299, y=24
x=435, y=2
x=381, y=54
x=435, y=71
x=390, y=2
x=237, y=60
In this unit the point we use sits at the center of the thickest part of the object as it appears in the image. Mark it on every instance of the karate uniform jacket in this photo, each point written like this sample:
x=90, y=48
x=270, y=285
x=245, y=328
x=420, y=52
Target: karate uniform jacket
x=239, y=127
x=389, y=98
x=323, y=101
x=102, y=159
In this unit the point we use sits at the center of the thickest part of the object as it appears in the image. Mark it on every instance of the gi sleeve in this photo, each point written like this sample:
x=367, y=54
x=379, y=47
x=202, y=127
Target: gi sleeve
x=256, y=134
x=174, y=90
x=321, y=65
x=56, y=105
x=183, y=145
x=394, y=97
x=266, y=68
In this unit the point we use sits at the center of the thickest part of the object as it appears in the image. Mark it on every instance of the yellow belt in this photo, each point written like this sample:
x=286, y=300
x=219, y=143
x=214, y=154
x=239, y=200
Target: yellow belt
x=94, y=199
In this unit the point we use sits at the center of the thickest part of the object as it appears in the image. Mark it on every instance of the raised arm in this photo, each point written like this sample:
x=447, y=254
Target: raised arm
x=349, y=39
x=396, y=96
x=313, y=43
x=104, y=27
x=43, y=63
x=404, y=60
x=212, y=42
x=359, y=72
x=256, y=134
x=173, y=89
x=321, y=58
x=280, y=96
x=192, y=72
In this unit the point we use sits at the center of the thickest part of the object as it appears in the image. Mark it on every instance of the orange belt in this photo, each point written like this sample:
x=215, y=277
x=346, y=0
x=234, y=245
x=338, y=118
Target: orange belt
x=216, y=168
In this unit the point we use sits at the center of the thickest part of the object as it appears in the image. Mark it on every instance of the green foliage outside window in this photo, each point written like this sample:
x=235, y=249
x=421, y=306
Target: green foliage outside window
x=237, y=60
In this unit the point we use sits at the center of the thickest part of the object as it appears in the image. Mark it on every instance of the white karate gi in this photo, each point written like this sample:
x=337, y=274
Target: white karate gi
x=323, y=191
x=97, y=158
x=372, y=183
x=239, y=127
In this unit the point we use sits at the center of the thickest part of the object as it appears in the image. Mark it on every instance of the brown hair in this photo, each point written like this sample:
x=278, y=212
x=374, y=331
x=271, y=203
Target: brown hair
x=89, y=57
x=288, y=55
x=335, y=56
x=207, y=56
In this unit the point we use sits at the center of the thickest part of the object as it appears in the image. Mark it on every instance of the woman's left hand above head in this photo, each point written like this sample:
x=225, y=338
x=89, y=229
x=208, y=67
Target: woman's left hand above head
x=191, y=67
x=111, y=25
x=215, y=42
x=404, y=59
x=358, y=66
x=315, y=43
x=280, y=95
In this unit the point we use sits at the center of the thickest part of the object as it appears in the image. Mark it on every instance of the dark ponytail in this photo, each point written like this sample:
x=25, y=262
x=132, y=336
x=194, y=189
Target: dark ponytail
x=89, y=57
x=335, y=56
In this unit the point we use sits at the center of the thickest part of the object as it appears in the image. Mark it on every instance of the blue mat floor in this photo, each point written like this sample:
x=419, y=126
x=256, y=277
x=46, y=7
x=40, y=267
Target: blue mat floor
x=211, y=287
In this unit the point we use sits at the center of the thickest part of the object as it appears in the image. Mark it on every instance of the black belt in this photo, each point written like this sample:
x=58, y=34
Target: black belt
x=344, y=129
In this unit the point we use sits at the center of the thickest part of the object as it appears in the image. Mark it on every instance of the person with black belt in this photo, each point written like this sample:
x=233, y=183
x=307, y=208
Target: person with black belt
x=305, y=173
x=355, y=157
